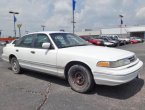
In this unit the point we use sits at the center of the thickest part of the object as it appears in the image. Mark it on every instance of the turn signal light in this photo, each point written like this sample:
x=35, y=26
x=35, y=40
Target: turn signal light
x=103, y=64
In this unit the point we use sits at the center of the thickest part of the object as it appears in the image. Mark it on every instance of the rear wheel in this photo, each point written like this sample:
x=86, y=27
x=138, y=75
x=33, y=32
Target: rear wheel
x=15, y=65
x=124, y=42
x=80, y=78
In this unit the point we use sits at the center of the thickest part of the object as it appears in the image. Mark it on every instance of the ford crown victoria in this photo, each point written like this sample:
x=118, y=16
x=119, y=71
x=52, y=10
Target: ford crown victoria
x=69, y=56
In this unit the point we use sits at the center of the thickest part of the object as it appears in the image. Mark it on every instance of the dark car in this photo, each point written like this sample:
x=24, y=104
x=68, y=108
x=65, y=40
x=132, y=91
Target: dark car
x=122, y=41
x=108, y=43
x=115, y=42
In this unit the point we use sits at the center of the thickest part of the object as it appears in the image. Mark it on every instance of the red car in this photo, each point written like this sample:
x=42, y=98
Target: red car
x=134, y=41
x=92, y=40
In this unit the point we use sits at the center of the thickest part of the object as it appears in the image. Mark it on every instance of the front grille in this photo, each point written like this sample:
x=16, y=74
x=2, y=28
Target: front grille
x=132, y=59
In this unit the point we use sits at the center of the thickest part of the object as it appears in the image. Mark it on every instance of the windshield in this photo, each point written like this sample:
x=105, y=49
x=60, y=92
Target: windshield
x=114, y=38
x=63, y=40
x=109, y=38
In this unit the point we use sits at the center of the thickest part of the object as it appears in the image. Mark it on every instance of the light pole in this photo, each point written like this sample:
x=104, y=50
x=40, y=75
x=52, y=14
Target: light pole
x=43, y=27
x=14, y=13
x=121, y=23
x=19, y=27
x=0, y=33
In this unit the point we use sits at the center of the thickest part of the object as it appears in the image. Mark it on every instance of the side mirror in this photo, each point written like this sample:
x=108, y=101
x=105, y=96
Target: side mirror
x=46, y=45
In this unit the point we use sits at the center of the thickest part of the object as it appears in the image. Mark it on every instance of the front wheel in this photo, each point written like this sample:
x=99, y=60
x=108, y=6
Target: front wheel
x=15, y=65
x=80, y=78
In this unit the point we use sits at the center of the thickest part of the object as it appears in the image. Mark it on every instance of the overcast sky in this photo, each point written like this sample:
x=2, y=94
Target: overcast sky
x=57, y=14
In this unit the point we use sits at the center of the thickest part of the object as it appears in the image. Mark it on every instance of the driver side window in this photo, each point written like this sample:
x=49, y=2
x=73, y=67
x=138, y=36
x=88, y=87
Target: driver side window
x=40, y=39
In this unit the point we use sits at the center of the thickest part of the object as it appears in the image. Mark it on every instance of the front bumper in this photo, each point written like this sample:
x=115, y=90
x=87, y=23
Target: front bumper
x=118, y=77
x=109, y=45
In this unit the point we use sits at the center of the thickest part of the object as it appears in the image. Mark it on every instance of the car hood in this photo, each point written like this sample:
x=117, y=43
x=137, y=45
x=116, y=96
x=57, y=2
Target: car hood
x=97, y=52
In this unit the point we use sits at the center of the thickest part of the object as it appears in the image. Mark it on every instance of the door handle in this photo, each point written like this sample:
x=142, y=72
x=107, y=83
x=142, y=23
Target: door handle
x=17, y=50
x=33, y=52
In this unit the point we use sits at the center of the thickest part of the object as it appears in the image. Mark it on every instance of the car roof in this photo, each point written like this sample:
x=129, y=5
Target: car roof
x=47, y=32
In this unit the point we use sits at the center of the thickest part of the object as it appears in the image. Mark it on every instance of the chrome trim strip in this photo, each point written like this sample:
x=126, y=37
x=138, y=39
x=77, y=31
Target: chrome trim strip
x=41, y=64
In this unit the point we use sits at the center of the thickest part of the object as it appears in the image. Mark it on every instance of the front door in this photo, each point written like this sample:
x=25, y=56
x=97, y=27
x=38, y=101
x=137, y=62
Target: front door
x=44, y=59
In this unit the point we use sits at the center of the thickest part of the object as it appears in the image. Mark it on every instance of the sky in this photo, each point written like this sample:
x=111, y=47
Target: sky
x=57, y=14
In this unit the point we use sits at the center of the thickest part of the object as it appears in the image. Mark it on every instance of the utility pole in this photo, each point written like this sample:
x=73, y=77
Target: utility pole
x=14, y=13
x=73, y=23
x=73, y=14
x=43, y=27
x=121, y=23
x=0, y=33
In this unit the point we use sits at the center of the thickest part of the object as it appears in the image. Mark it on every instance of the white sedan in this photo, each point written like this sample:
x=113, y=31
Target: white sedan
x=69, y=56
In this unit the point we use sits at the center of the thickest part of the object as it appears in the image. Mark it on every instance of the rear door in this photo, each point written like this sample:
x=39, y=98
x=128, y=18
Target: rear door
x=23, y=50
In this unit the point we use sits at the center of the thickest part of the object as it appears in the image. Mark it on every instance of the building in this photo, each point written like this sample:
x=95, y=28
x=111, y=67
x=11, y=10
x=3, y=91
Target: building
x=128, y=31
x=88, y=33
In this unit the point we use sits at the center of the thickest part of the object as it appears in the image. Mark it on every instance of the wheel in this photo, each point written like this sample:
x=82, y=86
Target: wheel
x=15, y=65
x=80, y=78
x=124, y=42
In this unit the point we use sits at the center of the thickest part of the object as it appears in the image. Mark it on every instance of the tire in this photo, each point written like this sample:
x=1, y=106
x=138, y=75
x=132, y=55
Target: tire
x=80, y=79
x=124, y=42
x=15, y=65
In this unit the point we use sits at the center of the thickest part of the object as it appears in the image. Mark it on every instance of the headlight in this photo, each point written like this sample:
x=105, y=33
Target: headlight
x=114, y=64
x=119, y=63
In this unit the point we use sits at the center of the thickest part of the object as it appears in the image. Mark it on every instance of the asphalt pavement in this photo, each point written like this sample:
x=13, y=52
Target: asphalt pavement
x=37, y=91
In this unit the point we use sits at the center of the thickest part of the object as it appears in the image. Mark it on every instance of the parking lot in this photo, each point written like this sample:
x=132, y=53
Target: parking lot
x=37, y=91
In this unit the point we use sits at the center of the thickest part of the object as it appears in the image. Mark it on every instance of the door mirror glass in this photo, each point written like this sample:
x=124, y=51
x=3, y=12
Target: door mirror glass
x=46, y=45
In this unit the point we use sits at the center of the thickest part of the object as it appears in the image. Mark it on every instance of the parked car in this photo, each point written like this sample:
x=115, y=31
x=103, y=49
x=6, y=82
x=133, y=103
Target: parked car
x=107, y=43
x=12, y=43
x=112, y=43
x=122, y=40
x=134, y=41
x=140, y=40
x=2, y=43
x=118, y=42
x=126, y=40
x=68, y=56
x=92, y=40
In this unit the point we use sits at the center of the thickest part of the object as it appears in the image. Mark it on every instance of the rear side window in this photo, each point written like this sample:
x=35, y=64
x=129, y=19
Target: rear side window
x=26, y=41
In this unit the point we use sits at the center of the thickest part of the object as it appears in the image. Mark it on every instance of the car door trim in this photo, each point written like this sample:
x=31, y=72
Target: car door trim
x=40, y=64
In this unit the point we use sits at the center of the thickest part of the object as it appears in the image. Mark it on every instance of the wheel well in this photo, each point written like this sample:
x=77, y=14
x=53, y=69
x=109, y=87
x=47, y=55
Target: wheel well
x=11, y=56
x=74, y=63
